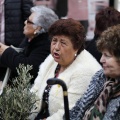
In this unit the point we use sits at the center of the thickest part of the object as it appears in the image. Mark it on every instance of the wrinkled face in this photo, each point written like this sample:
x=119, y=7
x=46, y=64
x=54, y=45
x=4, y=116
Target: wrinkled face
x=30, y=27
x=62, y=50
x=110, y=65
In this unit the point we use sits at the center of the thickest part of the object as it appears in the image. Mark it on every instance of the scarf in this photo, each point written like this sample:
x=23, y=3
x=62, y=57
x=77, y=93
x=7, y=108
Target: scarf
x=97, y=110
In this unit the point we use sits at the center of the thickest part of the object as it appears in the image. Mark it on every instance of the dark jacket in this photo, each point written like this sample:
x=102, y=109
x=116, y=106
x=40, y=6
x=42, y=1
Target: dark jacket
x=34, y=54
x=16, y=12
x=91, y=47
x=61, y=8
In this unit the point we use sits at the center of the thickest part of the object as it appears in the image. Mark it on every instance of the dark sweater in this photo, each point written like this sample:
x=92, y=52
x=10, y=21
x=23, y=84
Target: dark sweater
x=34, y=54
x=91, y=47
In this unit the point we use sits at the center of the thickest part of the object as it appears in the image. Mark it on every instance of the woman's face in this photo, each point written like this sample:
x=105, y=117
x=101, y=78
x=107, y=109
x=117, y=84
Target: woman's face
x=30, y=27
x=62, y=50
x=110, y=65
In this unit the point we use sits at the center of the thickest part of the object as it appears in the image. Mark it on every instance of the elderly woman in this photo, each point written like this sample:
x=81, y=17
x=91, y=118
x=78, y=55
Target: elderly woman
x=36, y=45
x=102, y=99
x=68, y=61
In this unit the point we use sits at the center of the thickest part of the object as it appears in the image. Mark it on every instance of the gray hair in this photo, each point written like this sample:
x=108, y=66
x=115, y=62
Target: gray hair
x=45, y=17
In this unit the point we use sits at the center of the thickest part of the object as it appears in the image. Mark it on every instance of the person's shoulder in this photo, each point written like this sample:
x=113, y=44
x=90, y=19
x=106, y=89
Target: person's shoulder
x=97, y=82
x=48, y=59
x=100, y=73
x=99, y=76
x=85, y=54
x=86, y=59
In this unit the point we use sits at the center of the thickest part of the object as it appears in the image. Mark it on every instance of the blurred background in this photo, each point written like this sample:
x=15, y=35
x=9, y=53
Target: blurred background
x=81, y=10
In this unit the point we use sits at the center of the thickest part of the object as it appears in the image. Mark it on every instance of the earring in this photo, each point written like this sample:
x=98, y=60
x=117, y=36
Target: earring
x=35, y=32
x=75, y=54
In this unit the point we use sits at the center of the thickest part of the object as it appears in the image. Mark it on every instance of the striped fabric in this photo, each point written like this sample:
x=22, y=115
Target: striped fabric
x=93, y=91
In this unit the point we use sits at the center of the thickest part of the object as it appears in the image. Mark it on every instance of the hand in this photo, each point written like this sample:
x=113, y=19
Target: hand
x=2, y=48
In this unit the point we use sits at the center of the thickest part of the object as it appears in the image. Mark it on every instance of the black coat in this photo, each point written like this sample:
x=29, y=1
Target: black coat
x=16, y=12
x=91, y=47
x=34, y=54
x=61, y=8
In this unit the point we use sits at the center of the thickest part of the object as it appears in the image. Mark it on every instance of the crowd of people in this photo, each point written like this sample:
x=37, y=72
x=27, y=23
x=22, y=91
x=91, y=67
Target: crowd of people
x=57, y=48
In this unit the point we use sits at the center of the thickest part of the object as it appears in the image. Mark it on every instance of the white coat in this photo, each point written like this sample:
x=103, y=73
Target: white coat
x=77, y=77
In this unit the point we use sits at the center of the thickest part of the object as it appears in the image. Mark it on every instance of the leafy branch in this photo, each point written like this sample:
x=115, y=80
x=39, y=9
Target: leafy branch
x=16, y=101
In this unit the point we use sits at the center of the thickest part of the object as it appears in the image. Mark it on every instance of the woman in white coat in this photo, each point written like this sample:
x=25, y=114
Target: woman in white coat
x=68, y=61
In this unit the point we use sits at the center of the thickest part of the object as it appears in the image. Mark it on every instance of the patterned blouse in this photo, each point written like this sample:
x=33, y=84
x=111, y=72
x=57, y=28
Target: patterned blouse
x=92, y=93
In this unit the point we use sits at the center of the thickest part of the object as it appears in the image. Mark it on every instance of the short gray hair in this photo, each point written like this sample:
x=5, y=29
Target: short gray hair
x=45, y=17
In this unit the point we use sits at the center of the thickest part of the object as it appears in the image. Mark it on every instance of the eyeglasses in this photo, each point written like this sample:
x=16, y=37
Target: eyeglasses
x=29, y=22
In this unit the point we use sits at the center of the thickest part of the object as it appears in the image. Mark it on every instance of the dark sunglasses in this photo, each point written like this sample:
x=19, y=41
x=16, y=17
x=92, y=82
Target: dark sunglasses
x=29, y=22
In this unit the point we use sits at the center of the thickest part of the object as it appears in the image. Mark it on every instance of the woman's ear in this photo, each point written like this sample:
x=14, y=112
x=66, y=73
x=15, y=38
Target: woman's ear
x=37, y=30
